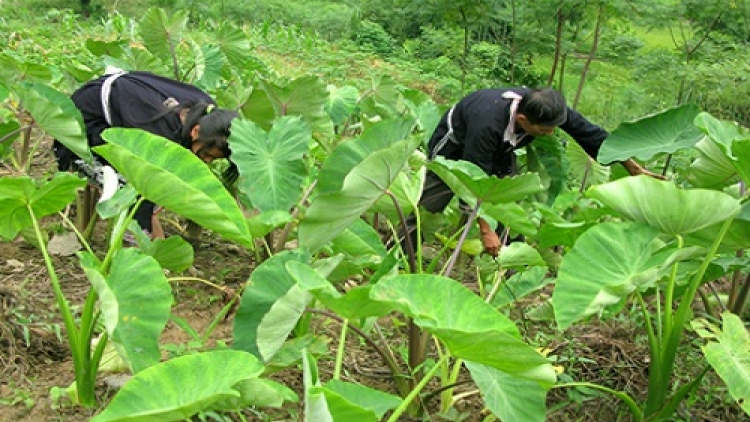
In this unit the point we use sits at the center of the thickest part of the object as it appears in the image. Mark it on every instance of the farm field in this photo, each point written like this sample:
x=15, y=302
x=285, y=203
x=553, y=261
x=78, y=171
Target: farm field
x=613, y=353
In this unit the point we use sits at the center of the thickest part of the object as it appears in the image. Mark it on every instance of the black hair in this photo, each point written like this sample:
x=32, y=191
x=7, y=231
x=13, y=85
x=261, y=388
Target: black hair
x=214, y=131
x=544, y=106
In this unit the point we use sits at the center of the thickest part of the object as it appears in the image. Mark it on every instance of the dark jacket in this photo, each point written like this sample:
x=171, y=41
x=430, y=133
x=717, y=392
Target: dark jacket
x=479, y=121
x=136, y=100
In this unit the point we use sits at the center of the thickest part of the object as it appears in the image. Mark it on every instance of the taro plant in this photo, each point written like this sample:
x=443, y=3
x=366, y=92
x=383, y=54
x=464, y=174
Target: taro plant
x=667, y=245
x=129, y=290
x=727, y=349
x=722, y=163
x=156, y=168
x=292, y=285
x=35, y=106
x=229, y=381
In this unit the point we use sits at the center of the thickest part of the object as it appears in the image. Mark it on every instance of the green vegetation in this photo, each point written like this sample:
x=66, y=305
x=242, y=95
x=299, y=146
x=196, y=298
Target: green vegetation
x=336, y=100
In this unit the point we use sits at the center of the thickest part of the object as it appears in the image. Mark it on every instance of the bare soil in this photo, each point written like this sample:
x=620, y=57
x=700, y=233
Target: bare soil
x=34, y=358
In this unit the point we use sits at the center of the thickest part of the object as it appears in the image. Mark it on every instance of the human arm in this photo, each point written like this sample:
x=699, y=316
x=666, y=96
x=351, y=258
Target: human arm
x=588, y=135
x=635, y=169
x=591, y=137
x=490, y=239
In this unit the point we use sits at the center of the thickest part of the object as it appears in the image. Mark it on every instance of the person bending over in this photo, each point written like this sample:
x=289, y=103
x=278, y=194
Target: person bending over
x=488, y=125
x=174, y=110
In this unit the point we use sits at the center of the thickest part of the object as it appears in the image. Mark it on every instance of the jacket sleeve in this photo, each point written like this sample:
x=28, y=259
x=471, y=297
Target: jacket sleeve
x=588, y=135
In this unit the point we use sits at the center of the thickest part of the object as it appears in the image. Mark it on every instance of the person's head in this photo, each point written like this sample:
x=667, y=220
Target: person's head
x=205, y=131
x=541, y=111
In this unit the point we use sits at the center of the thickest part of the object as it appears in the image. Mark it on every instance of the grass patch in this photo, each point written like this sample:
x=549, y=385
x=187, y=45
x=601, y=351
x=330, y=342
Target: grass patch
x=658, y=38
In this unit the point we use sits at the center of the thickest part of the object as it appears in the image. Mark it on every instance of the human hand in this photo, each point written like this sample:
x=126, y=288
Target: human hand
x=636, y=169
x=491, y=242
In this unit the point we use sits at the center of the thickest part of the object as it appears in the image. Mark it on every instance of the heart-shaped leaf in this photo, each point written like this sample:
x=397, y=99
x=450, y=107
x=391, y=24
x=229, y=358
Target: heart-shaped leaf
x=271, y=164
x=470, y=183
x=171, y=391
x=362, y=187
x=470, y=328
x=665, y=206
x=607, y=263
x=665, y=132
x=136, y=300
x=20, y=196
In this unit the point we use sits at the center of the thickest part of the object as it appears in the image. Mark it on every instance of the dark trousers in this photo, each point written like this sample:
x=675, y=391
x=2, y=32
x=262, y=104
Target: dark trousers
x=436, y=195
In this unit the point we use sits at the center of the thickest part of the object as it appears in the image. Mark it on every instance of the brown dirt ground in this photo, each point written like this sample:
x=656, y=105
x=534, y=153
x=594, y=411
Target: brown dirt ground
x=611, y=353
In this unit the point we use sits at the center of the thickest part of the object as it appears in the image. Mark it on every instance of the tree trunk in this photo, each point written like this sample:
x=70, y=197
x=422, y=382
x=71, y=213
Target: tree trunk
x=592, y=54
x=561, y=79
x=558, y=43
x=465, y=57
x=683, y=95
x=86, y=8
x=513, y=43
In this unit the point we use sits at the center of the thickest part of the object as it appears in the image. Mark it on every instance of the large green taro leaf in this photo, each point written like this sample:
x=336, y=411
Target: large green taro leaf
x=351, y=153
x=139, y=58
x=330, y=214
x=736, y=238
x=361, y=246
x=381, y=98
x=547, y=157
x=508, y=397
x=135, y=300
x=12, y=70
x=265, y=222
x=374, y=400
x=161, y=33
x=233, y=43
x=271, y=165
x=729, y=355
x=664, y=206
x=607, y=263
x=583, y=167
x=741, y=149
x=520, y=285
x=270, y=307
x=712, y=168
x=723, y=132
x=519, y=255
x=425, y=110
x=356, y=303
x=207, y=62
x=470, y=183
x=470, y=328
x=511, y=215
x=101, y=48
x=406, y=190
x=18, y=195
x=732, y=139
x=173, y=253
x=353, y=402
x=56, y=114
x=360, y=241
x=172, y=176
x=341, y=103
x=306, y=96
x=179, y=388
x=665, y=132
x=258, y=108
x=260, y=392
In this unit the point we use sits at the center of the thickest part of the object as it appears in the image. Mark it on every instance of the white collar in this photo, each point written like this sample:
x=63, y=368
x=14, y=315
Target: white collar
x=509, y=135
